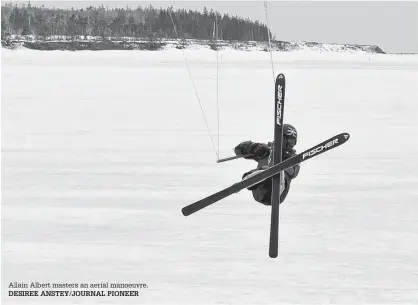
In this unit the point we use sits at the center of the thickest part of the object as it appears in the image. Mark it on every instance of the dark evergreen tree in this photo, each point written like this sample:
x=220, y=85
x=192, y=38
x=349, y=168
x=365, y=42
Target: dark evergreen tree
x=127, y=22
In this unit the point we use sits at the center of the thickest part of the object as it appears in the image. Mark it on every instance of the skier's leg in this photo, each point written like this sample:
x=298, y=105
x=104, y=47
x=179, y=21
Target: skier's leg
x=262, y=190
x=251, y=174
x=262, y=193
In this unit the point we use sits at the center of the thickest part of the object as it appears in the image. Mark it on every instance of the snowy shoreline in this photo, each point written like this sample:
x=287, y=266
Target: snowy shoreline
x=79, y=43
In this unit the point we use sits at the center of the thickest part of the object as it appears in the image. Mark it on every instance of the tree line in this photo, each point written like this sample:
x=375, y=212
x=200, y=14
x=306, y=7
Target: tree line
x=141, y=22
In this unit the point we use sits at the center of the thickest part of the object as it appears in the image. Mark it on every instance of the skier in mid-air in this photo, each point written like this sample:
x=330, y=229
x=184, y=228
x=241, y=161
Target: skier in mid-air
x=262, y=153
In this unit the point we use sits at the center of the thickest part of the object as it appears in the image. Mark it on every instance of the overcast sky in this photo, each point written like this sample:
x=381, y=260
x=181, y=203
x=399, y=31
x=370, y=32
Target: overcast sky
x=392, y=25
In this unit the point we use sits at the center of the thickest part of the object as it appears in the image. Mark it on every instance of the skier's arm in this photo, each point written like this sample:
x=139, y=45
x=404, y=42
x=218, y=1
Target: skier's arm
x=256, y=150
x=289, y=174
x=292, y=172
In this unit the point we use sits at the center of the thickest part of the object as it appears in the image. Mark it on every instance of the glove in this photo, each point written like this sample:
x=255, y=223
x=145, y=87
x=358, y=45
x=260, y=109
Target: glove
x=244, y=148
x=261, y=151
x=256, y=150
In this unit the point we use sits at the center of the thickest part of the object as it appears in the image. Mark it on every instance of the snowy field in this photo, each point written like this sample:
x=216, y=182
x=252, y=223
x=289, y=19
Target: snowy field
x=101, y=150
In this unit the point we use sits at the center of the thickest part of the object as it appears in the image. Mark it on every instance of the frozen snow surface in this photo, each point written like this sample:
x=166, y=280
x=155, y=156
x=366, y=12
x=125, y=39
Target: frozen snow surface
x=101, y=150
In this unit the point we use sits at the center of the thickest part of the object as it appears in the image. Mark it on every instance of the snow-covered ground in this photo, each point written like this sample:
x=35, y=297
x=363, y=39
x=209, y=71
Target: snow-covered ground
x=101, y=150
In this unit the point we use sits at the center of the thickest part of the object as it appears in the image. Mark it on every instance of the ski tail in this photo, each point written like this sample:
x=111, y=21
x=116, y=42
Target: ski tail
x=312, y=152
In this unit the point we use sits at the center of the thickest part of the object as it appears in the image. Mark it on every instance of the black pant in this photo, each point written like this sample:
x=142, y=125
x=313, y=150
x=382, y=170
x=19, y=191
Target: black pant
x=262, y=191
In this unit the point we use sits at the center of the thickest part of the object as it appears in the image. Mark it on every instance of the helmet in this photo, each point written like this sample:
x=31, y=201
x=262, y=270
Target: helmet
x=290, y=136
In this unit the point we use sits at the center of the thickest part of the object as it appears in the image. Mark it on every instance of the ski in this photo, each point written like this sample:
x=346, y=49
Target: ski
x=279, y=98
x=268, y=173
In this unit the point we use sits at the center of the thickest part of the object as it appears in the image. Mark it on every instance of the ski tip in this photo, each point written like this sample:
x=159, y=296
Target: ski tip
x=280, y=76
x=346, y=136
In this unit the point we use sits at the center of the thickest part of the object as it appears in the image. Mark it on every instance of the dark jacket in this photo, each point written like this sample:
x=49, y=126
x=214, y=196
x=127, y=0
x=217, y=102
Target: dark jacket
x=262, y=191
